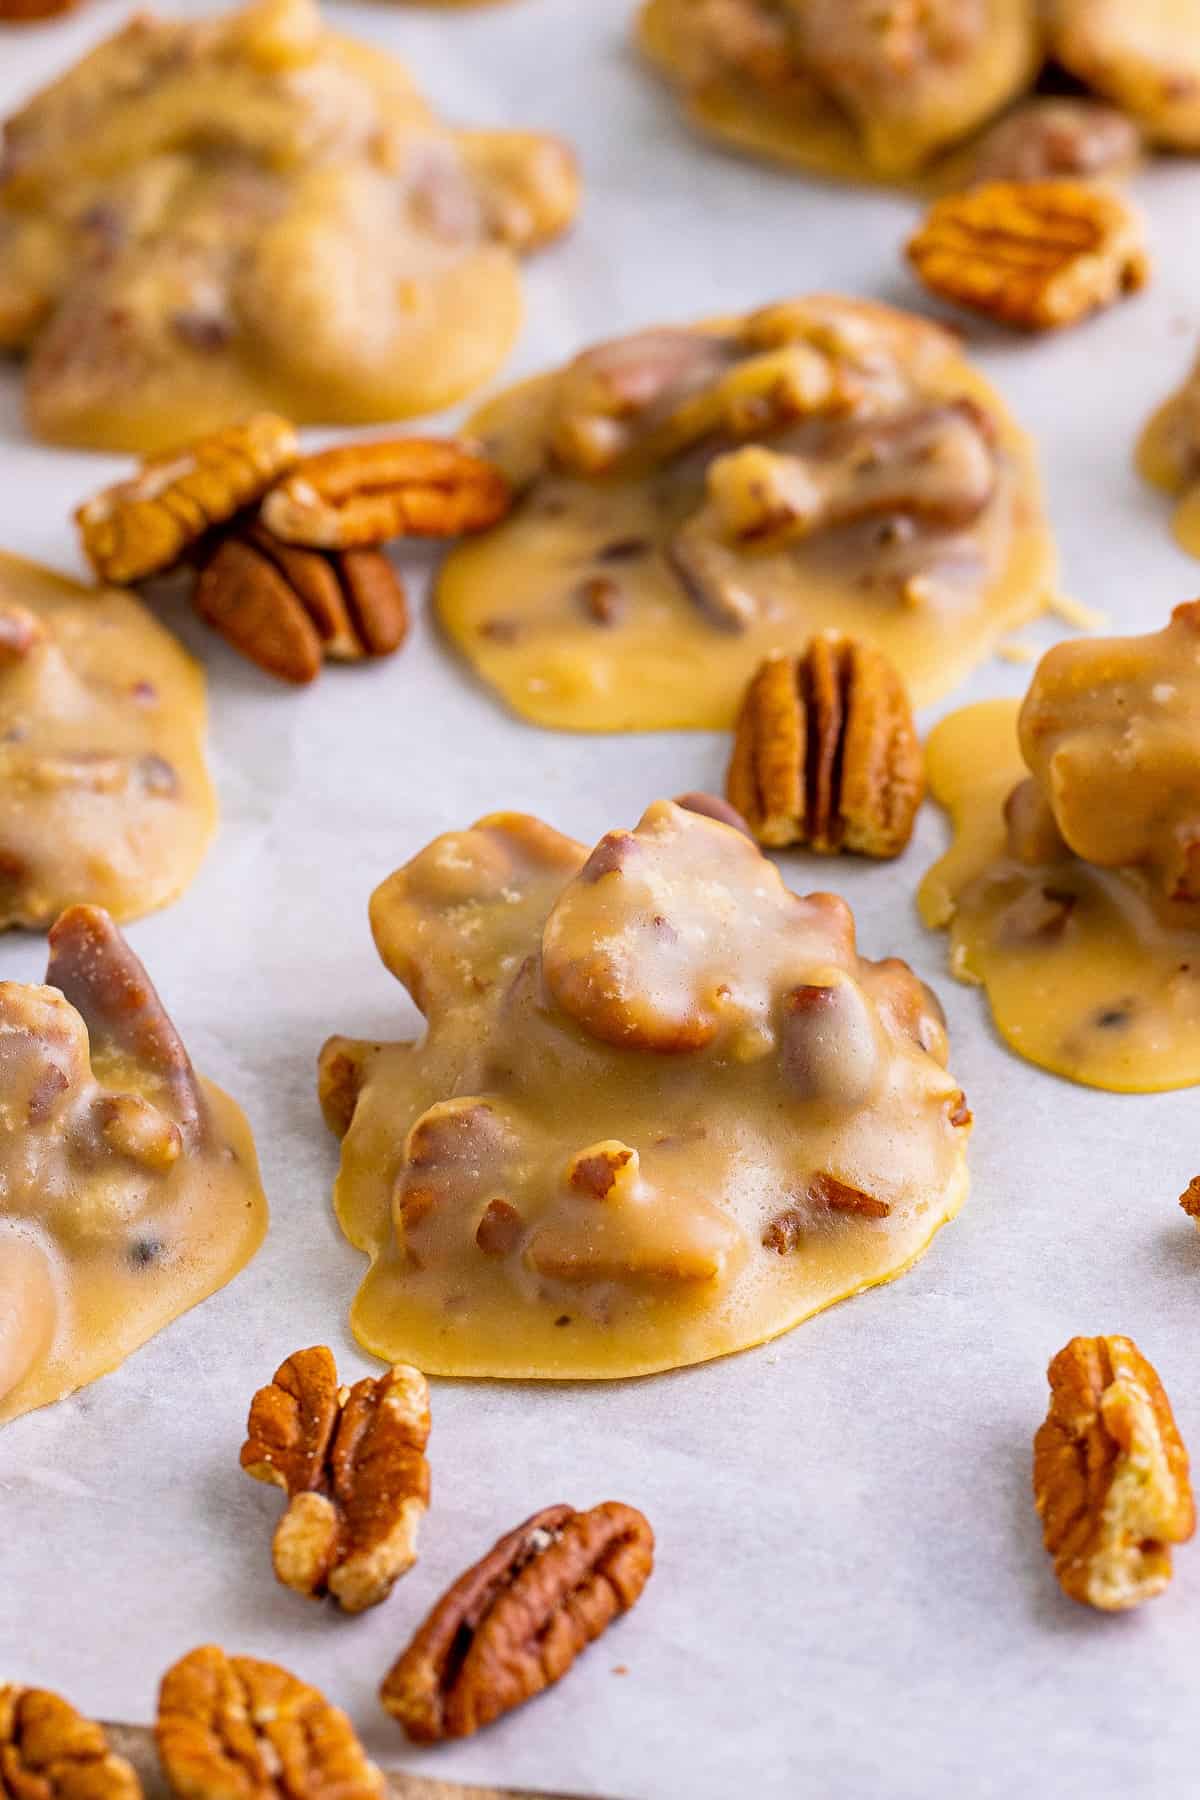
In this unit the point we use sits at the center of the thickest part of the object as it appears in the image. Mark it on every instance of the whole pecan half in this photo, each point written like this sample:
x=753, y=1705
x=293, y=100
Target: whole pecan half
x=48, y=1751
x=514, y=1624
x=1190, y=1200
x=366, y=493
x=233, y=1728
x=143, y=526
x=825, y=752
x=1110, y=1475
x=288, y=609
x=352, y=1463
x=1034, y=254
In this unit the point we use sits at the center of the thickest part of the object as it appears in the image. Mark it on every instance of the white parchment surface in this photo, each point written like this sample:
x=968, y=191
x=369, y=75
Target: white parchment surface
x=851, y=1598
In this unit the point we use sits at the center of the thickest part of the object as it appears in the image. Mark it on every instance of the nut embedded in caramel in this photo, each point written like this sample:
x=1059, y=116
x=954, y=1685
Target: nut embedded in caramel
x=1034, y=254
x=128, y=1186
x=826, y=753
x=686, y=500
x=635, y=1060
x=512, y=1625
x=1110, y=1475
x=352, y=1464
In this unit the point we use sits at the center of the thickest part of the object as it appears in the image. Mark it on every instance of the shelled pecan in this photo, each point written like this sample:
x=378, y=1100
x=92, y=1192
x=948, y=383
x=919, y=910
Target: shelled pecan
x=826, y=753
x=1110, y=1475
x=288, y=609
x=48, y=1751
x=366, y=493
x=1190, y=1200
x=1034, y=254
x=352, y=1463
x=145, y=525
x=514, y=1624
x=234, y=1728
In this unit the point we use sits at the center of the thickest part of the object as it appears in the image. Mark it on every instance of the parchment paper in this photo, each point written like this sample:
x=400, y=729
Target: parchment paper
x=851, y=1596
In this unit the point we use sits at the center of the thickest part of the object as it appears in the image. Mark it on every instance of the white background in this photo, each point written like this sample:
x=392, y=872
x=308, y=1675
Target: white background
x=851, y=1597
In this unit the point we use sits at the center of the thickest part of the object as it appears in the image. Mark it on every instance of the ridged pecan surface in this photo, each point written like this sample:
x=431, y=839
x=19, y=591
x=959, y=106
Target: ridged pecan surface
x=48, y=1751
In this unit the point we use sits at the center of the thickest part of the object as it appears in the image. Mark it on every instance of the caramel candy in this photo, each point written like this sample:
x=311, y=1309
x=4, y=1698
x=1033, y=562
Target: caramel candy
x=1076, y=865
x=206, y=218
x=104, y=793
x=129, y=1187
x=690, y=499
x=638, y=1062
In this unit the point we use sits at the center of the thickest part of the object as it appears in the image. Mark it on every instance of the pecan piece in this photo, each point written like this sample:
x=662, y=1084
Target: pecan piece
x=234, y=1728
x=1110, y=1475
x=23, y=12
x=1034, y=254
x=516, y=1621
x=1055, y=136
x=48, y=1751
x=352, y=1463
x=143, y=526
x=1190, y=1200
x=363, y=494
x=288, y=609
x=825, y=752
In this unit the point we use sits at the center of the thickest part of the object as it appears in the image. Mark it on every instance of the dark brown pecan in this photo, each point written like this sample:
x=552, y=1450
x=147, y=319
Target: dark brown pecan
x=48, y=1751
x=352, y=1463
x=1190, y=1199
x=514, y=1624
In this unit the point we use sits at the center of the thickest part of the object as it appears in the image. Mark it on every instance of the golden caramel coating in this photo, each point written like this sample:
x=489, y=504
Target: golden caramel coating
x=1037, y=255
x=129, y=1187
x=635, y=1059
x=512, y=1625
x=848, y=87
x=1110, y=1475
x=104, y=792
x=689, y=499
x=235, y=1728
x=826, y=753
x=1168, y=455
x=1076, y=863
x=205, y=218
x=1054, y=137
x=352, y=1464
x=1145, y=58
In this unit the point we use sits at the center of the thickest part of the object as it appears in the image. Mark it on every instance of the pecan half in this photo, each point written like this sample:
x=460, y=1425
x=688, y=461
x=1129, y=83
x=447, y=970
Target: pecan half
x=22, y=12
x=1057, y=135
x=143, y=526
x=515, y=1623
x=1034, y=254
x=288, y=609
x=1110, y=1475
x=1190, y=1200
x=48, y=1751
x=366, y=493
x=352, y=1463
x=233, y=1728
x=825, y=752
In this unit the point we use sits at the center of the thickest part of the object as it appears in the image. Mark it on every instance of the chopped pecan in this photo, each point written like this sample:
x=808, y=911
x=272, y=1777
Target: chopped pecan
x=341, y=1069
x=48, y=1751
x=234, y=1728
x=1110, y=1475
x=826, y=753
x=514, y=1624
x=712, y=806
x=1057, y=135
x=528, y=183
x=364, y=494
x=786, y=1232
x=829, y=1042
x=1190, y=1200
x=352, y=1463
x=21, y=631
x=287, y=609
x=1035, y=254
x=143, y=526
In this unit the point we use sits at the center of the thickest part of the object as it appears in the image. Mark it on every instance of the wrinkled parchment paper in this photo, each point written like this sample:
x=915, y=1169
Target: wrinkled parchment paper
x=851, y=1597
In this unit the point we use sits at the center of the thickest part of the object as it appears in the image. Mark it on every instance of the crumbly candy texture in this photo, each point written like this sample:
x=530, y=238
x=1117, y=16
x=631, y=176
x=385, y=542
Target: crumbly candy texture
x=1110, y=1475
x=236, y=1728
x=512, y=1625
x=352, y=1463
x=104, y=792
x=129, y=1188
x=635, y=1061
x=48, y=1751
x=205, y=218
x=689, y=498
